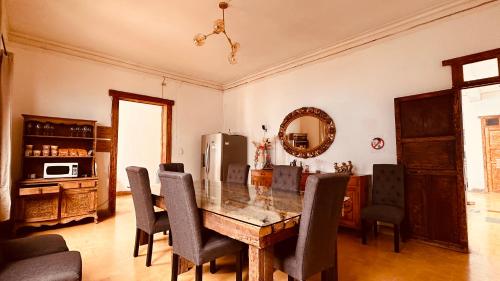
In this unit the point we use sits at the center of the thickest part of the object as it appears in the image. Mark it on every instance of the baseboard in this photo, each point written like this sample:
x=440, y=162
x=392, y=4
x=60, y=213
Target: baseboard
x=123, y=193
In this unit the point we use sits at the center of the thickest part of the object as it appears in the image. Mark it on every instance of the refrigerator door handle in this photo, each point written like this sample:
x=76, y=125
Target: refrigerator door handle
x=207, y=158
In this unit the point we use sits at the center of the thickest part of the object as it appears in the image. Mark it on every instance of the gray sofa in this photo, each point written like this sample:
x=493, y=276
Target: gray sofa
x=41, y=258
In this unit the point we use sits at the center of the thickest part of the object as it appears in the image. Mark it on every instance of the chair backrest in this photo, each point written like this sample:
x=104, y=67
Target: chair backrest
x=286, y=178
x=141, y=195
x=237, y=173
x=183, y=214
x=317, y=241
x=172, y=167
x=388, y=185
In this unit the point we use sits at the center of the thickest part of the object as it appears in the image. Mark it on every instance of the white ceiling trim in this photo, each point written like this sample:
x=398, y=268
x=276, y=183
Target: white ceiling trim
x=390, y=30
x=393, y=29
x=24, y=39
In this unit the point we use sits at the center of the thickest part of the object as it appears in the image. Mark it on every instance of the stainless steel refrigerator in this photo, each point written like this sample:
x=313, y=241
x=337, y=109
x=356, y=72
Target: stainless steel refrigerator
x=218, y=151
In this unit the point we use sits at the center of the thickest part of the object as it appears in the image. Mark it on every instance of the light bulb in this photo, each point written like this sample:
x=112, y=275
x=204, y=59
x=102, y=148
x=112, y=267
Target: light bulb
x=232, y=58
x=199, y=39
x=219, y=26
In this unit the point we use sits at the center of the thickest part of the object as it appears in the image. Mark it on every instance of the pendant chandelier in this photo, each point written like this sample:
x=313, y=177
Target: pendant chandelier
x=220, y=27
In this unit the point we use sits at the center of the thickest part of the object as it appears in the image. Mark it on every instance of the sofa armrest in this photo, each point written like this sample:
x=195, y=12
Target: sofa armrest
x=33, y=246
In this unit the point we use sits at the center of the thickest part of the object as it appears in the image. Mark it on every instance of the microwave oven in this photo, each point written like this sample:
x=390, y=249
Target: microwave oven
x=60, y=170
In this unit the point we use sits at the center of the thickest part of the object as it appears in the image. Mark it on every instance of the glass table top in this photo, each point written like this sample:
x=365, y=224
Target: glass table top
x=256, y=205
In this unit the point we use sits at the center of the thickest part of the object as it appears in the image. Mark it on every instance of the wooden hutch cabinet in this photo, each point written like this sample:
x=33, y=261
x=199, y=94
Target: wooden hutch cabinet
x=59, y=182
x=356, y=193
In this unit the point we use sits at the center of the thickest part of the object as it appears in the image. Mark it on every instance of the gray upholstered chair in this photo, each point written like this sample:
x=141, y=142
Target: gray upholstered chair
x=172, y=167
x=193, y=242
x=315, y=249
x=286, y=178
x=388, y=200
x=146, y=218
x=237, y=173
x=43, y=257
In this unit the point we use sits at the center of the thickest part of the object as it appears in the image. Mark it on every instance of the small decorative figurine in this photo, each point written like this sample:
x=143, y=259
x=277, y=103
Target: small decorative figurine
x=293, y=163
x=343, y=168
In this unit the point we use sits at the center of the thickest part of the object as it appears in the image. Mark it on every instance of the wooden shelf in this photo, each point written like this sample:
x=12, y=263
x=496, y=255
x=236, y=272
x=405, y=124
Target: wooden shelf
x=55, y=157
x=42, y=180
x=58, y=137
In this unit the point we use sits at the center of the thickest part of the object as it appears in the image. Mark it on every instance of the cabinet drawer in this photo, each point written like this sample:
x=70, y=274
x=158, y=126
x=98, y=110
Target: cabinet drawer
x=26, y=191
x=91, y=183
x=353, y=182
x=70, y=184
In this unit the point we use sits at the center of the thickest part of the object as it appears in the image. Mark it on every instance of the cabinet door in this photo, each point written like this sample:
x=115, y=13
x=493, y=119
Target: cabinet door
x=35, y=208
x=348, y=218
x=78, y=202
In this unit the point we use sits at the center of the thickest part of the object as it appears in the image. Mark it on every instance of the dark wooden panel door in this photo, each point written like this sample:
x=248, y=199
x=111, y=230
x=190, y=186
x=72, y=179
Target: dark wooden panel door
x=491, y=149
x=430, y=145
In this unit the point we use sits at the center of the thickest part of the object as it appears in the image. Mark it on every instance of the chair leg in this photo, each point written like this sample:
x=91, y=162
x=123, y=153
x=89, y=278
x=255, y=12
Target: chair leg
x=136, y=245
x=170, y=238
x=239, y=266
x=164, y=232
x=175, y=266
x=290, y=278
x=329, y=274
x=199, y=273
x=363, y=231
x=213, y=266
x=150, y=250
x=396, y=238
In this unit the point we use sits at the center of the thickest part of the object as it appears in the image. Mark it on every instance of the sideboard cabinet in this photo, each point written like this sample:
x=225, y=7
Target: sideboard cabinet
x=356, y=194
x=43, y=200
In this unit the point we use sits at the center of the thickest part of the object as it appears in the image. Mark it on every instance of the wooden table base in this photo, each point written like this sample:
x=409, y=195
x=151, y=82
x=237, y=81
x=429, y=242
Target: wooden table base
x=260, y=264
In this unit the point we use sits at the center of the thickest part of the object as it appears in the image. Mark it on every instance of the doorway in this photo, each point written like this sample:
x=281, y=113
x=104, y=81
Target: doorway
x=139, y=141
x=136, y=103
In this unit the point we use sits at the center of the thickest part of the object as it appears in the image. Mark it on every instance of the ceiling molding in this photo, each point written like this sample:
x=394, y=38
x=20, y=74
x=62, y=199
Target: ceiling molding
x=367, y=38
x=390, y=30
x=28, y=40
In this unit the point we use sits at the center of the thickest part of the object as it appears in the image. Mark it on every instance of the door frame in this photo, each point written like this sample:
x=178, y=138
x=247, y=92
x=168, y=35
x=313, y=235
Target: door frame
x=166, y=132
x=487, y=169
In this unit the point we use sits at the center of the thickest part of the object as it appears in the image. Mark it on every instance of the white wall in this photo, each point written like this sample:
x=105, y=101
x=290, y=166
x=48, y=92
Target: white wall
x=475, y=105
x=48, y=83
x=139, y=141
x=358, y=88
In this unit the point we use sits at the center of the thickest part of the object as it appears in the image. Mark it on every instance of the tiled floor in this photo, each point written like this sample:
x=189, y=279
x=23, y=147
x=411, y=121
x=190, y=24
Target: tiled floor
x=106, y=249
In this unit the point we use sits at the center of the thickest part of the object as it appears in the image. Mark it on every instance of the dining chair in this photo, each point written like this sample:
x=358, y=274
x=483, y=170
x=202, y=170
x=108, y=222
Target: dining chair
x=146, y=219
x=388, y=200
x=172, y=167
x=315, y=248
x=193, y=242
x=237, y=173
x=286, y=178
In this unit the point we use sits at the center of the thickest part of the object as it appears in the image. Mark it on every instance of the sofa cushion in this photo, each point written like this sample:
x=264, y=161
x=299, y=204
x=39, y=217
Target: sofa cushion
x=63, y=266
x=33, y=246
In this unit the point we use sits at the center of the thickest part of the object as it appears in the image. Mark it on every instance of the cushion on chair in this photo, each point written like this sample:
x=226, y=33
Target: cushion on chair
x=161, y=223
x=64, y=266
x=216, y=245
x=33, y=246
x=383, y=213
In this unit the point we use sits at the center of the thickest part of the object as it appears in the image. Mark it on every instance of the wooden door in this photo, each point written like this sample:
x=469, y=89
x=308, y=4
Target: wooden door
x=491, y=150
x=430, y=145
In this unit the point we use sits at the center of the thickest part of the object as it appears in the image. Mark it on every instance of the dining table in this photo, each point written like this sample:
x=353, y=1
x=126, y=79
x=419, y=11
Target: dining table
x=255, y=215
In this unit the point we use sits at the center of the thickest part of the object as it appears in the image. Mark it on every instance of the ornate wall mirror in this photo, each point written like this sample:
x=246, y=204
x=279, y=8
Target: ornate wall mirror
x=307, y=132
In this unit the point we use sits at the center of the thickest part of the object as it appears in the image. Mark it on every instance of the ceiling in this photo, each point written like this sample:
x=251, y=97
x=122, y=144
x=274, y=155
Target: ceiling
x=158, y=33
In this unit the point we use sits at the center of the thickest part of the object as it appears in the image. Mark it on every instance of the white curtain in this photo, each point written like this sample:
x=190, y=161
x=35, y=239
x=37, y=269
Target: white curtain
x=5, y=135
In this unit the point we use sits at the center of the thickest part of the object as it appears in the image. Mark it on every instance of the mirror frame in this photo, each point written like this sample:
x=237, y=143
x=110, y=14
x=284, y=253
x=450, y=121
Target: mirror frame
x=311, y=152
